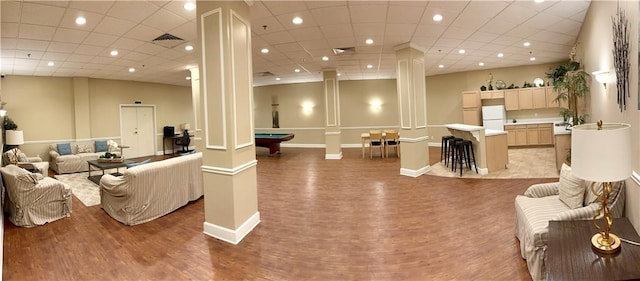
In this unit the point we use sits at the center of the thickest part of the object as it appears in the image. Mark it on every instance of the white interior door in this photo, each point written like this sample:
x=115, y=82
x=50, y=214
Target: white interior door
x=138, y=130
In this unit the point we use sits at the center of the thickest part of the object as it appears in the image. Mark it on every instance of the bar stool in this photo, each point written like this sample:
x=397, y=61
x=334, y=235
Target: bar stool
x=464, y=155
x=453, y=151
x=444, y=148
x=471, y=156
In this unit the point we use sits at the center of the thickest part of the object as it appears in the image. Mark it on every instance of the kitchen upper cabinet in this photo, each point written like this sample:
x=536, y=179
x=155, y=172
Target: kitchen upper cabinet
x=551, y=96
x=511, y=99
x=525, y=98
x=472, y=116
x=471, y=99
x=498, y=94
x=539, y=96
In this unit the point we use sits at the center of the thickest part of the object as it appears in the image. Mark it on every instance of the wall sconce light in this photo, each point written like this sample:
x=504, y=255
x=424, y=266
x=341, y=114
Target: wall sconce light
x=376, y=105
x=307, y=108
x=3, y=113
x=602, y=76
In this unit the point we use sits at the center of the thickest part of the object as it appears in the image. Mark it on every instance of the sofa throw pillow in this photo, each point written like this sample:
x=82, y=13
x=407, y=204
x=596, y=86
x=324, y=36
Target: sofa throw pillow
x=135, y=164
x=22, y=157
x=31, y=178
x=64, y=148
x=101, y=146
x=571, y=188
x=84, y=148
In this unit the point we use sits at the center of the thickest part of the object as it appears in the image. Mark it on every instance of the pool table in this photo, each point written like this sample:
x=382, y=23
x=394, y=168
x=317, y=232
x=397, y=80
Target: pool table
x=272, y=141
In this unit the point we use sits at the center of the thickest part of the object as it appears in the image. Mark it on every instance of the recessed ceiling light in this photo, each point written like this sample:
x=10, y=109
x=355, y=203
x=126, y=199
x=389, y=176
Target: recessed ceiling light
x=264, y=50
x=437, y=17
x=526, y=44
x=131, y=69
x=189, y=6
x=369, y=41
x=297, y=70
x=81, y=20
x=461, y=51
x=481, y=63
x=325, y=58
x=369, y=66
x=532, y=58
x=500, y=55
x=114, y=53
x=339, y=74
x=277, y=78
x=51, y=63
x=188, y=78
x=188, y=48
x=441, y=66
x=297, y=20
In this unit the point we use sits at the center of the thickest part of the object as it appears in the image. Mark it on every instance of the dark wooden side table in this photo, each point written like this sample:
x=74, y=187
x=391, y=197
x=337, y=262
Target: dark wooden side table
x=569, y=254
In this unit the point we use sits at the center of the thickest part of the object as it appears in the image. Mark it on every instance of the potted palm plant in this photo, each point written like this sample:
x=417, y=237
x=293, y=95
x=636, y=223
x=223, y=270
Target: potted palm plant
x=571, y=83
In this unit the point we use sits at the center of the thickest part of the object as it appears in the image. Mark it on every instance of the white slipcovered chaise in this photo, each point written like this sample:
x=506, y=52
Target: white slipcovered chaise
x=545, y=202
x=152, y=190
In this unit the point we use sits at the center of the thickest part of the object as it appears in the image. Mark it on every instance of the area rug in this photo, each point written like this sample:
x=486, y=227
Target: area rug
x=85, y=190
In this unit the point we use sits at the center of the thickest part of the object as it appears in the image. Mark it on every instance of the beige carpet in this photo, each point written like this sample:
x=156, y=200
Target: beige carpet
x=523, y=163
x=85, y=190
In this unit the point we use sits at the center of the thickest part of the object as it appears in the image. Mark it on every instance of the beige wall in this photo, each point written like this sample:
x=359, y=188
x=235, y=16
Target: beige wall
x=595, y=54
x=43, y=107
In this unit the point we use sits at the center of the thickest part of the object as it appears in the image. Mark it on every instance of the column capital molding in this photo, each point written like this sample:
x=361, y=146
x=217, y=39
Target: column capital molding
x=409, y=45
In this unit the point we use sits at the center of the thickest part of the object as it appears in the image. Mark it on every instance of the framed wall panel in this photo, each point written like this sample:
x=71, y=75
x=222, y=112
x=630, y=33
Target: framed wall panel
x=241, y=81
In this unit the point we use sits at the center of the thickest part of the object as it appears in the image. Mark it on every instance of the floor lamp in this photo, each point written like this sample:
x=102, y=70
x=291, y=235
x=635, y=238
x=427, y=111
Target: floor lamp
x=602, y=153
x=14, y=138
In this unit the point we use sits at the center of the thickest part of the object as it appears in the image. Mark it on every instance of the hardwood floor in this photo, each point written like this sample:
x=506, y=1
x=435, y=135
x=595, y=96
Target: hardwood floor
x=352, y=219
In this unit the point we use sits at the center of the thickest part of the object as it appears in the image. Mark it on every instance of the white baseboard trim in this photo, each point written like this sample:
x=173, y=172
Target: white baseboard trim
x=415, y=173
x=303, y=145
x=333, y=156
x=232, y=236
x=435, y=144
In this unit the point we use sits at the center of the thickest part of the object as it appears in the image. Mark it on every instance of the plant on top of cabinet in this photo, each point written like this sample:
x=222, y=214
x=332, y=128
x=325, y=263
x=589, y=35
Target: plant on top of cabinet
x=571, y=82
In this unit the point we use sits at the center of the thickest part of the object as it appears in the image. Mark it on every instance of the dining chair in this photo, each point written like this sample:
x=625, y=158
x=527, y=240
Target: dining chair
x=392, y=139
x=375, y=139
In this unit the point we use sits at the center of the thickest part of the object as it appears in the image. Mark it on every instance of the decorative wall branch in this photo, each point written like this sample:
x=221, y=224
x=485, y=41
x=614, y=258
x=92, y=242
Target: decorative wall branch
x=621, y=56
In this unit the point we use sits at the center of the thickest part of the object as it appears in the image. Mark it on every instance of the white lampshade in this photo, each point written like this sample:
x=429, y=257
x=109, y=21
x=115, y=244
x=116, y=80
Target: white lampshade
x=14, y=137
x=601, y=155
x=185, y=126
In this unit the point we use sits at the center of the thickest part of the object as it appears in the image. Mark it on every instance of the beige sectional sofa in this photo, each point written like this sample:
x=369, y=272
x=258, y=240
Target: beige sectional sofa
x=76, y=161
x=146, y=192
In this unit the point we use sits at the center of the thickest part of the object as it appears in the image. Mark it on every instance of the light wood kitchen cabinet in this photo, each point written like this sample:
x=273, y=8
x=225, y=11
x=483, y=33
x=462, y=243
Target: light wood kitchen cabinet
x=472, y=116
x=511, y=99
x=563, y=145
x=497, y=152
x=521, y=134
x=471, y=99
x=545, y=134
x=511, y=134
x=551, y=96
x=532, y=134
x=498, y=94
x=525, y=98
x=539, y=96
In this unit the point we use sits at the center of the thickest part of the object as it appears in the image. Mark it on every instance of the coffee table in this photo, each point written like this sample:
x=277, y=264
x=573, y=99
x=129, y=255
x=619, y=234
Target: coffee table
x=105, y=166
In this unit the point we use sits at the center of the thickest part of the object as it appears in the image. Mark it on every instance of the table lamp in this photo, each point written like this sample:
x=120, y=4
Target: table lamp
x=602, y=153
x=185, y=128
x=14, y=138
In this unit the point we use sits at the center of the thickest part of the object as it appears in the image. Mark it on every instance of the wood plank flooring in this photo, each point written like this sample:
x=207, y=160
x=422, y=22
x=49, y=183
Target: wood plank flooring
x=352, y=219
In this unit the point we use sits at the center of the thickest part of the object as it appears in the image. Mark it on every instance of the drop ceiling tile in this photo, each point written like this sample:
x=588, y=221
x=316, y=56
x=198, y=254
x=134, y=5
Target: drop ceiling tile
x=135, y=56
x=331, y=15
x=376, y=12
x=32, y=55
x=457, y=33
x=187, y=31
x=89, y=50
x=10, y=11
x=424, y=30
x=171, y=54
x=304, y=34
x=543, y=21
x=286, y=20
x=127, y=44
x=99, y=39
x=55, y=56
x=342, y=42
x=284, y=7
x=336, y=31
x=508, y=40
x=61, y=47
x=34, y=45
x=569, y=27
x=266, y=25
x=100, y=7
x=9, y=30
x=69, y=35
x=497, y=26
x=516, y=14
x=566, y=9
x=144, y=33
x=278, y=37
x=164, y=20
x=369, y=30
x=114, y=26
x=481, y=36
x=177, y=7
x=36, y=32
x=404, y=14
x=69, y=19
x=41, y=14
x=79, y=58
x=135, y=11
x=289, y=47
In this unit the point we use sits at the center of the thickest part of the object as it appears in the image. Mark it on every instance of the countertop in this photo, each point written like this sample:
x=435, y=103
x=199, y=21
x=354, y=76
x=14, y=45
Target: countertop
x=557, y=128
x=464, y=127
x=489, y=132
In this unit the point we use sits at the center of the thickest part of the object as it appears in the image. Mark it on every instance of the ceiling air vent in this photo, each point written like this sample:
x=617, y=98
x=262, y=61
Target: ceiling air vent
x=344, y=51
x=263, y=74
x=168, y=41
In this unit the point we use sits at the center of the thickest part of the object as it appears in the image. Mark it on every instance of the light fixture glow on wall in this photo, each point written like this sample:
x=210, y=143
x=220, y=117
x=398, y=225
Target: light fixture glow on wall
x=375, y=105
x=602, y=76
x=307, y=108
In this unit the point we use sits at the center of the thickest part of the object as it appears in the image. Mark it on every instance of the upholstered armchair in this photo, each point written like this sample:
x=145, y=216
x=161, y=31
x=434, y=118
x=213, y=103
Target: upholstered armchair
x=569, y=199
x=17, y=157
x=34, y=199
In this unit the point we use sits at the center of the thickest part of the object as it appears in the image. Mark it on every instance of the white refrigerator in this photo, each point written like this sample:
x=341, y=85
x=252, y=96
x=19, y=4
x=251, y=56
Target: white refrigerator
x=494, y=117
